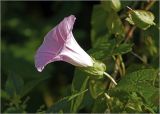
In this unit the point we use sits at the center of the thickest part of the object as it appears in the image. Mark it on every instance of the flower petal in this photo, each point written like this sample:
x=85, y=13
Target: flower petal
x=60, y=45
x=74, y=54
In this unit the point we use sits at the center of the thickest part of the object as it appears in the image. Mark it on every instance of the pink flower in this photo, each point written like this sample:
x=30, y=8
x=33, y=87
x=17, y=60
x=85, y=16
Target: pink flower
x=59, y=45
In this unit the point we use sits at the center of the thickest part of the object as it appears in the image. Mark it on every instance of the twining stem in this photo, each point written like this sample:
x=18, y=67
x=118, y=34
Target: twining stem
x=122, y=65
x=119, y=63
x=130, y=33
x=106, y=74
x=150, y=4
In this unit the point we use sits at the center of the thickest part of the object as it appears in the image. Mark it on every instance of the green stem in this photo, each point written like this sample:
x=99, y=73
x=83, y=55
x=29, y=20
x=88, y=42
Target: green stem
x=106, y=74
x=129, y=8
x=107, y=96
x=137, y=56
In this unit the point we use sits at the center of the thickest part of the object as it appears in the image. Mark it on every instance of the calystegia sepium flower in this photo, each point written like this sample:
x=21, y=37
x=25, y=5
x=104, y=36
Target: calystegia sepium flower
x=60, y=45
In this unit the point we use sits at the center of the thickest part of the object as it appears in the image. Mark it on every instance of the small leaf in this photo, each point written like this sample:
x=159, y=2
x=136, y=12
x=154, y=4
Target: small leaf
x=140, y=18
x=114, y=24
x=111, y=4
x=123, y=48
x=113, y=21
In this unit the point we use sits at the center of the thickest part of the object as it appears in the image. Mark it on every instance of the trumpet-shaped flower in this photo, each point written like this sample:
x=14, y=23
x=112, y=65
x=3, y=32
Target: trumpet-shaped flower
x=60, y=45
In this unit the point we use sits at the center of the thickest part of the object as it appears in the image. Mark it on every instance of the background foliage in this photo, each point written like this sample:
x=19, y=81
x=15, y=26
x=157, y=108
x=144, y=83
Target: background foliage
x=121, y=34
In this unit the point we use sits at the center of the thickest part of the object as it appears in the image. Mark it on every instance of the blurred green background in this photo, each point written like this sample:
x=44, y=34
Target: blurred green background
x=23, y=27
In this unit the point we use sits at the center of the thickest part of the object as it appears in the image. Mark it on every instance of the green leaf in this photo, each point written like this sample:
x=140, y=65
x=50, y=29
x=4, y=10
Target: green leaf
x=140, y=18
x=4, y=95
x=14, y=85
x=79, y=83
x=113, y=21
x=134, y=103
x=141, y=82
x=88, y=101
x=105, y=48
x=134, y=67
x=123, y=48
x=24, y=71
x=77, y=94
x=111, y=4
x=114, y=24
x=100, y=105
x=97, y=23
x=13, y=110
x=63, y=105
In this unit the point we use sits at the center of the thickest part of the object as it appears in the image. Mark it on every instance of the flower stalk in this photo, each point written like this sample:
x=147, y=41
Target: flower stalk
x=106, y=74
x=107, y=96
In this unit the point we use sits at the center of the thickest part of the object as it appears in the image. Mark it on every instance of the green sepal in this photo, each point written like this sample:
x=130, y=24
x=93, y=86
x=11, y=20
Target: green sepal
x=96, y=71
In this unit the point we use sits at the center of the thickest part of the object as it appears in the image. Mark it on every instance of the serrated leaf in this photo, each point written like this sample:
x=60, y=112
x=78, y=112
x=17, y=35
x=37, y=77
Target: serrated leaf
x=107, y=48
x=63, y=105
x=123, y=48
x=139, y=81
x=141, y=18
x=111, y=4
x=134, y=67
